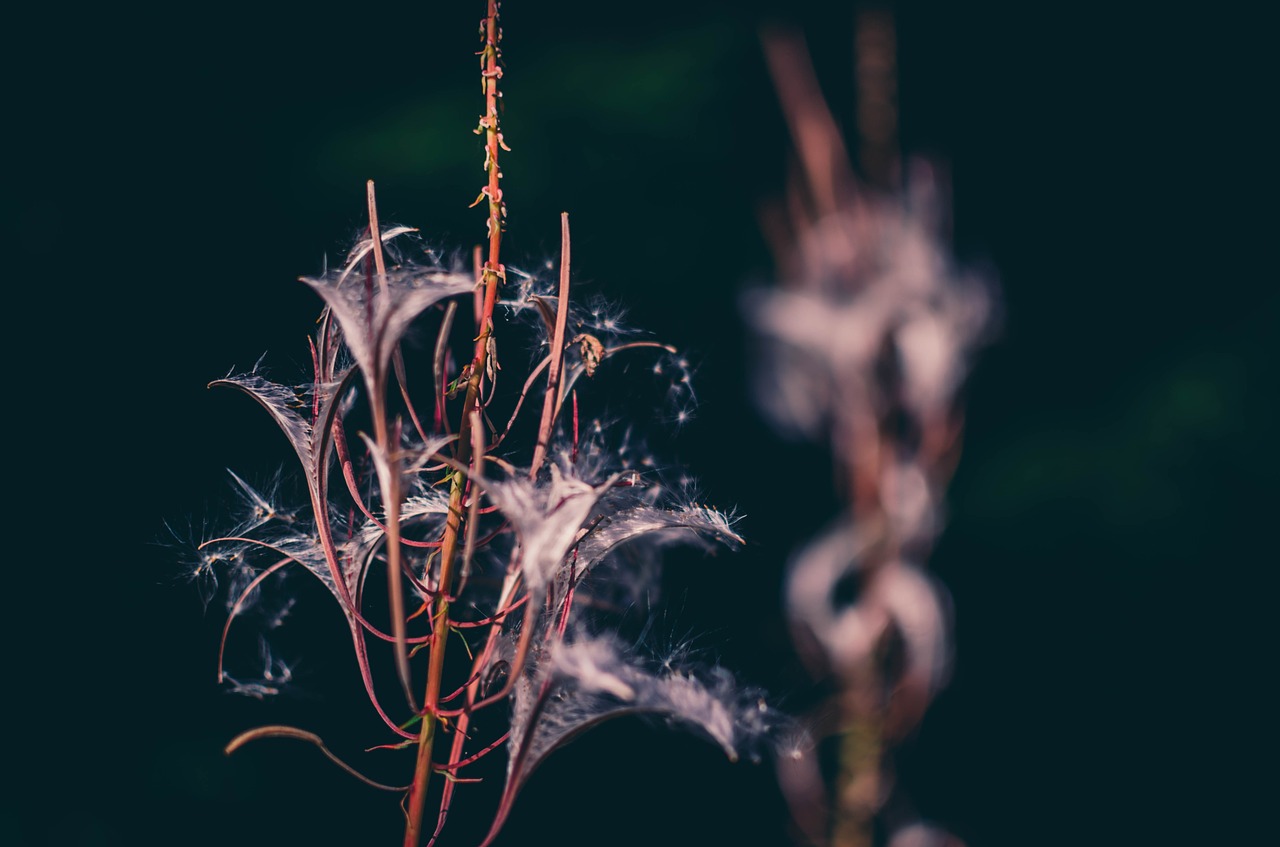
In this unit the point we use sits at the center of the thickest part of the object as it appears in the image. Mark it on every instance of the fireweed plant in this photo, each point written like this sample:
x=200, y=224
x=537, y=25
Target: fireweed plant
x=506, y=528
x=864, y=345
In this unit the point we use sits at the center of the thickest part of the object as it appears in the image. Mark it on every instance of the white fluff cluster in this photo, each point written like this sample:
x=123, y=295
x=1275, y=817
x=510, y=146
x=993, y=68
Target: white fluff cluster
x=375, y=313
x=591, y=678
x=547, y=519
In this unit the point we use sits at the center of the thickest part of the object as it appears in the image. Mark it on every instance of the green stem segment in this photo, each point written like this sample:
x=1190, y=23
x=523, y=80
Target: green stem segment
x=454, y=523
x=859, y=785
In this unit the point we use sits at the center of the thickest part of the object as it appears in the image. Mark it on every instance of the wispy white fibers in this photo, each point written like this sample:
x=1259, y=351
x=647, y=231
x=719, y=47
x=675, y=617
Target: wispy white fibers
x=547, y=518
x=688, y=524
x=374, y=314
x=290, y=407
x=275, y=675
x=567, y=526
x=590, y=678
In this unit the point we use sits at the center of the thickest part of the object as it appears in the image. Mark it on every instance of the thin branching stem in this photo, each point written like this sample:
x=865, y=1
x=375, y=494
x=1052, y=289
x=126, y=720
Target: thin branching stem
x=383, y=435
x=549, y=404
x=277, y=731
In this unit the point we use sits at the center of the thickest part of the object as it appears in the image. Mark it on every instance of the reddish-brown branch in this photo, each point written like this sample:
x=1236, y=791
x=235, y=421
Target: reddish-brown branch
x=389, y=443
x=550, y=401
x=453, y=527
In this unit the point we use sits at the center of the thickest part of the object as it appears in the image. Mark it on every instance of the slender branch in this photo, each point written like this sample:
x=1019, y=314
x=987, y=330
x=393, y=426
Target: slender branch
x=311, y=738
x=438, y=362
x=473, y=502
x=239, y=605
x=391, y=482
x=549, y=404
x=524, y=391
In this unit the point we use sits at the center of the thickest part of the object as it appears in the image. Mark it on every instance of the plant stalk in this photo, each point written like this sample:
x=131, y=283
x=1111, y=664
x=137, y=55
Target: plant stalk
x=453, y=524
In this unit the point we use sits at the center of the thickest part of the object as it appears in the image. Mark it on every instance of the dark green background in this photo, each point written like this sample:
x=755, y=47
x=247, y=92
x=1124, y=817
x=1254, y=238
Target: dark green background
x=176, y=169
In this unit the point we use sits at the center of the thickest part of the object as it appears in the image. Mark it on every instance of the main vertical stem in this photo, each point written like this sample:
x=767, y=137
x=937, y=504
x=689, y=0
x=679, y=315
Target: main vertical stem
x=453, y=525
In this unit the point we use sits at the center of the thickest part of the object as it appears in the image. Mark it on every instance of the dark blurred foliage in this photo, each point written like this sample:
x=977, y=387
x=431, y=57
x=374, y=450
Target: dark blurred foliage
x=175, y=169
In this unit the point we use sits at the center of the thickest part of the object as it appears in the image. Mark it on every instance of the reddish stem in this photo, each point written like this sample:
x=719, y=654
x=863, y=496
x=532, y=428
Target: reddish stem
x=493, y=272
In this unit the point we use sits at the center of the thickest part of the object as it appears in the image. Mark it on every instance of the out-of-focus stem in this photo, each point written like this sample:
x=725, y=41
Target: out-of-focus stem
x=876, y=76
x=858, y=789
x=454, y=521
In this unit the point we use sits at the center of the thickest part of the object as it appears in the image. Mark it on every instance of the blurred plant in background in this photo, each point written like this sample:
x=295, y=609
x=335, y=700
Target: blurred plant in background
x=865, y=343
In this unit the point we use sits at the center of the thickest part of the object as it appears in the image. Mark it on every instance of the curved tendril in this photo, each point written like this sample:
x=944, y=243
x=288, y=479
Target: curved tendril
x=239, y=605
x=528, y=383
x=277, y=731
x=373, y=630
